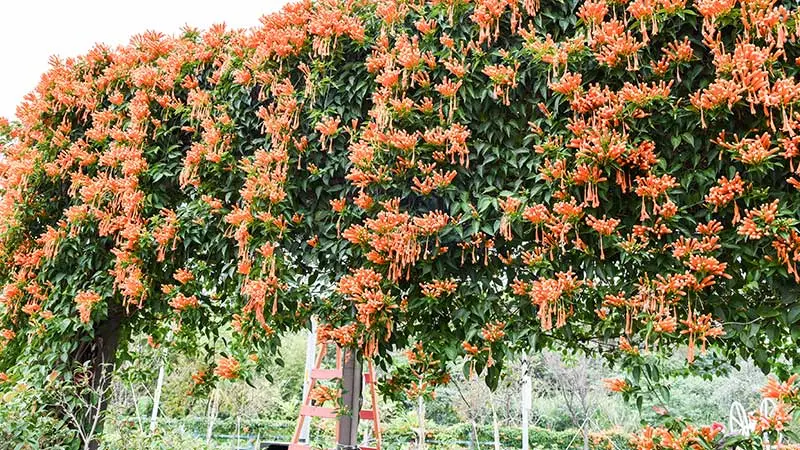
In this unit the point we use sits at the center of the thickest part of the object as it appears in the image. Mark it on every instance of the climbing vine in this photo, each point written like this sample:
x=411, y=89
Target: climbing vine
x=483, y=177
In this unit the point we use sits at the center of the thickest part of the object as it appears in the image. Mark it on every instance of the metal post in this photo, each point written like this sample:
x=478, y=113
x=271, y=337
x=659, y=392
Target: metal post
x=352, y=378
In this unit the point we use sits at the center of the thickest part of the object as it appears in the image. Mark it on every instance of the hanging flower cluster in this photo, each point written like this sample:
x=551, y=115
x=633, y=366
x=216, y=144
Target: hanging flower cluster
x=602, y=154
x=766, y=431
x=420, y=377
x=413, y=140
x=551, y=296
x=227, y=368
x=140, y=138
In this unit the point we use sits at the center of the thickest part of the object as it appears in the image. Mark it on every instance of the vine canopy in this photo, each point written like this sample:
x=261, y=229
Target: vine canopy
x=479, y=177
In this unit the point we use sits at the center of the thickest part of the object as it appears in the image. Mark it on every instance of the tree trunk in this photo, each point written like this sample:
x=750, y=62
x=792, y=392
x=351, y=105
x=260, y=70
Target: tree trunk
x=351, y=400
x=99, y=355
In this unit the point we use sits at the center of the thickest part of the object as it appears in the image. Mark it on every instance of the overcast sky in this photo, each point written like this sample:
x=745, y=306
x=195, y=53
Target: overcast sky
x=32, y=30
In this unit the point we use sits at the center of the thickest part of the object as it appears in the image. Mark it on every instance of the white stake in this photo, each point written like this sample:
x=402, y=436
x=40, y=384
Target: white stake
x=495, y=423
x=527, y=395
x=311, y=349
x=212, y=416
x=157, y=397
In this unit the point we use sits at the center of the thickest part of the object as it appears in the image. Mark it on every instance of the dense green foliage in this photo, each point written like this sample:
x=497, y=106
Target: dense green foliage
x=465, y=179
x=439, y=437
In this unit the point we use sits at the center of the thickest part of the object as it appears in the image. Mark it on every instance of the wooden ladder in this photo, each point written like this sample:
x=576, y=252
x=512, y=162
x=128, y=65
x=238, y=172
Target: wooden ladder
x=308, y=411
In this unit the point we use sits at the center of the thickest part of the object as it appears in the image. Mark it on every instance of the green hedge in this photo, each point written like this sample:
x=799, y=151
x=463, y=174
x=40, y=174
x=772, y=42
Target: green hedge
x=396, y=435
x=267, y=429
x=457, y=436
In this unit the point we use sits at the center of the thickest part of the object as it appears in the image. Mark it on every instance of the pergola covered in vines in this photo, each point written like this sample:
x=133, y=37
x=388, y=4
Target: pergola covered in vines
x=467, y=179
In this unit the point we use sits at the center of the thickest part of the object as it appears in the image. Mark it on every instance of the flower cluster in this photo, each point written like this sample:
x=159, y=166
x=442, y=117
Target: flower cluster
x=227, y=368
x=686, y=435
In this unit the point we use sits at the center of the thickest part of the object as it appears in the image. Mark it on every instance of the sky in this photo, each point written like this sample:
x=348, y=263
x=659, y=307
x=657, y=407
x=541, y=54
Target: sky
x=33, y=30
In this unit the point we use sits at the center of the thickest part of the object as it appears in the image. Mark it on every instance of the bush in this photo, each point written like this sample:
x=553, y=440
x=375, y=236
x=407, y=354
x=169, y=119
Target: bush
x=196, y=426
x=161, y=439
x=184, y=433
x=27, y=422
x=460, y=436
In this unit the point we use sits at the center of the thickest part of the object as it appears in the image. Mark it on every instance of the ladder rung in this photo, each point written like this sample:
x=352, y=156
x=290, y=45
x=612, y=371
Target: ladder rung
x=318, y=411
x=326, y=374
x=367, y=414
x=366, y=448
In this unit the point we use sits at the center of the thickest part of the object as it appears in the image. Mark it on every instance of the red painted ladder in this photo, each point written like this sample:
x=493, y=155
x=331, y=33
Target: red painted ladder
x=307, y=410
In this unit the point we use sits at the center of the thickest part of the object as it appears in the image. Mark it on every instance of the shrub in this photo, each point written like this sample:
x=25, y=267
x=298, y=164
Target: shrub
x=29, y=421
